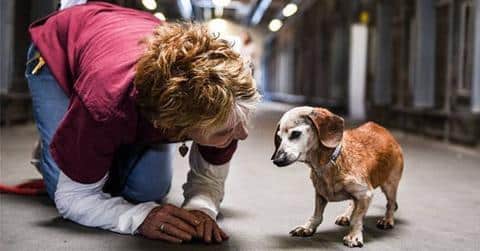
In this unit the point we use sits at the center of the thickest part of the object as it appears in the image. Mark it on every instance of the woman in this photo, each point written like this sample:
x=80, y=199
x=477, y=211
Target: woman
x=110, y=88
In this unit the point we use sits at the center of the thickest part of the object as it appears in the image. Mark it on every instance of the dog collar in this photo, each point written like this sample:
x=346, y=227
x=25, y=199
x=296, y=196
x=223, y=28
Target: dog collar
x=335, y=154
x=332, y=161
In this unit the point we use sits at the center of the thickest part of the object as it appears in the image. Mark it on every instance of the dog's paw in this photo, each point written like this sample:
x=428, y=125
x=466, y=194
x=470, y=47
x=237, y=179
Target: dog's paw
x=385, y=223
x=353, y=240
x=302, y=231
x=342, y=220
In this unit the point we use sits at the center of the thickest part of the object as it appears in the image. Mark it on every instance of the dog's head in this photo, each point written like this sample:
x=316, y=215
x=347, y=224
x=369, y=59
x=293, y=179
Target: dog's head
x=302, y=129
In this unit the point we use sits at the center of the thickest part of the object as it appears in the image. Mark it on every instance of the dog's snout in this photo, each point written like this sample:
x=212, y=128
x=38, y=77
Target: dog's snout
x=276, y=155
x=280, y=158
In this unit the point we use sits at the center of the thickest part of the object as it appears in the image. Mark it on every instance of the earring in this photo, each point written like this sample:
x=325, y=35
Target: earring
x=183, y=149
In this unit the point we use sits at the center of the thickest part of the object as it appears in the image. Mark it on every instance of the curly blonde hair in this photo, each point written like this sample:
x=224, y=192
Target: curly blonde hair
x=188, y=78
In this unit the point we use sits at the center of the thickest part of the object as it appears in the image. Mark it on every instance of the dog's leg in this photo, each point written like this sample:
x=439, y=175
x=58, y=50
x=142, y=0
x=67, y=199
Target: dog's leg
x=355, y=237
x=390, y=191
x=389, y=188
x=344, y=219
x=311, y=225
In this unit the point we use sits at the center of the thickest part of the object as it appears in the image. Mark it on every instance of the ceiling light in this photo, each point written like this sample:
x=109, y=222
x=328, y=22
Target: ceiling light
x=149, y=4
x=258, y=14
x=160, y=16
x=289, y=9
x=275, y=25
x=221, y=3
x=185, y=7
x=217, y=25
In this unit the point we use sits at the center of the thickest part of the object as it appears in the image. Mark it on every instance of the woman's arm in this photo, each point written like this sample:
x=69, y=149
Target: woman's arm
x=204, y=189
x=88, y=205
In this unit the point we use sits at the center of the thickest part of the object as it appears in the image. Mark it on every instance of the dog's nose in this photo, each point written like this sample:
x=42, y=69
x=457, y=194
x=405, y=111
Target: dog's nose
x=280, y=159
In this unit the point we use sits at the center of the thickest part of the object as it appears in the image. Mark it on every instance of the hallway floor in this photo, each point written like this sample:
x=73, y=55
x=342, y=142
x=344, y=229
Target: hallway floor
x=439, y=201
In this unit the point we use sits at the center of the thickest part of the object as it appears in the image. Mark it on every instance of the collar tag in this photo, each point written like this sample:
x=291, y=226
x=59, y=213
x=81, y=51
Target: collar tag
x=336, y=153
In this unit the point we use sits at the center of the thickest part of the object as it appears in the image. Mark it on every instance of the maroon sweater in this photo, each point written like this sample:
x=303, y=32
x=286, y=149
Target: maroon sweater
x=92, y=50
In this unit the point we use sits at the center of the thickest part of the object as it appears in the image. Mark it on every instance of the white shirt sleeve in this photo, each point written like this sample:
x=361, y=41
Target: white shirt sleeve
x=69, y=3
x=204, y=189
x=88, y=205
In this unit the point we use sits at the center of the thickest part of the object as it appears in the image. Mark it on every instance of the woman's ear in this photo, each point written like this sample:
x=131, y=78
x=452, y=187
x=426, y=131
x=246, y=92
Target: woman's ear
x=329, y=127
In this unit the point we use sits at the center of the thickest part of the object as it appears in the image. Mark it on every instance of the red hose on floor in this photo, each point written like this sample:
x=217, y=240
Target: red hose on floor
x=31, y=187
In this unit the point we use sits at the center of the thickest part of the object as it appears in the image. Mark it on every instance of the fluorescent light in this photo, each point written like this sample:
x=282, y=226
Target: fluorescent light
x=258, y=14
x=289, y=9
x=160, y=16
x=185, y=7
x=275, y=25
x=221, y=3
x=149, y=4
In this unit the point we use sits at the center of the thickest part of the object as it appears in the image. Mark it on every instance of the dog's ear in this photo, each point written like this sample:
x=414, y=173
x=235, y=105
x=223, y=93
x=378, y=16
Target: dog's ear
x=328, y=125
x=277, y=141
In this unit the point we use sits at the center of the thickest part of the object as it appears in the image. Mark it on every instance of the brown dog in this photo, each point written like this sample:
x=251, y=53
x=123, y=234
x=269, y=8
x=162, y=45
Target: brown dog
x=344, y=166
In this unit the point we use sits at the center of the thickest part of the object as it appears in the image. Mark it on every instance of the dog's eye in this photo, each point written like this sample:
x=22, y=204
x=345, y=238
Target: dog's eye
x=295, y=134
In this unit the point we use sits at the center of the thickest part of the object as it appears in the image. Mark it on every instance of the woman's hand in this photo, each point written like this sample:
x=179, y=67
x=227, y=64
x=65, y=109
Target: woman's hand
x=208, y=229
x=170, y=223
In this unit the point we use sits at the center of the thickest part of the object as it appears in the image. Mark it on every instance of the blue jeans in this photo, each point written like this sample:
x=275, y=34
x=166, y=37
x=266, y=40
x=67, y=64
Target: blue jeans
x=150, y=174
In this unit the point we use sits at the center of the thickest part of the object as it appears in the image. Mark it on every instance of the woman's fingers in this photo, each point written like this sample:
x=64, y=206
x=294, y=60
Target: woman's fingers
x=200, y=230
x=179, y=223
x=207, y=235
x=216, y=233
x=208, y=230
x=174, y=231
x=185, y=215
x=223, y=234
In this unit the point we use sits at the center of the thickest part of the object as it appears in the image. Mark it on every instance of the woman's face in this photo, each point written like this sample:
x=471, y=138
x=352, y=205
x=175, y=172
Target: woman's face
x=222, y=136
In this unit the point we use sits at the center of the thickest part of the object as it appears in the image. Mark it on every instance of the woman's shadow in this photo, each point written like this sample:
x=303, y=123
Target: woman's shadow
x=47, y=214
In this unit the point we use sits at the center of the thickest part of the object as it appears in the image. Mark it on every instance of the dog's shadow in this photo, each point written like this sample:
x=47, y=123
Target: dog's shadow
x=333, y=237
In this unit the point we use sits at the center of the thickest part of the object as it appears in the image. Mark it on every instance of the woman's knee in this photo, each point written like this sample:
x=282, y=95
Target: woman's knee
x=149, y=190
x=151, y=178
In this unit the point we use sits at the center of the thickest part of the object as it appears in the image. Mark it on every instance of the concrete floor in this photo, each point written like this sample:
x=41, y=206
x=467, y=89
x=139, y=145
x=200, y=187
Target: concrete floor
x=439, y=202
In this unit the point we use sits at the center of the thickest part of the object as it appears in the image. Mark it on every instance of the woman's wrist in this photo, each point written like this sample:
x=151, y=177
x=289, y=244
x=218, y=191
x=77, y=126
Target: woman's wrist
x=202, y=203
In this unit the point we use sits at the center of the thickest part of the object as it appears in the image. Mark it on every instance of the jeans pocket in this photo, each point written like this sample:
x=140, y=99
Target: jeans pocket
x=32, y=60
